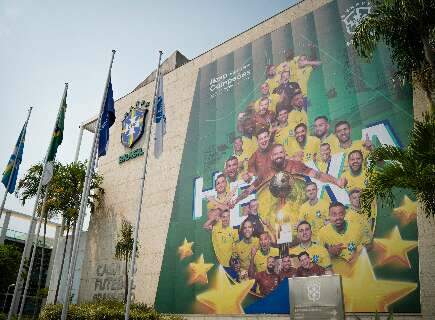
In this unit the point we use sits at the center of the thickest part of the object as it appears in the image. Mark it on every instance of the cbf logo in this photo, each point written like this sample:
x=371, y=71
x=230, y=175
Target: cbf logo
x=133, y=123
x=313, y=290
x=353, y=16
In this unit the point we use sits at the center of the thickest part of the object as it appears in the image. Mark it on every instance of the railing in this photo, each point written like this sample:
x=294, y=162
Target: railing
x=21, y=236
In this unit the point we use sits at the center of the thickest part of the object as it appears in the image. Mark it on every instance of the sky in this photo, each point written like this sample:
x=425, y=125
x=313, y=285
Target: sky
x=47, y=43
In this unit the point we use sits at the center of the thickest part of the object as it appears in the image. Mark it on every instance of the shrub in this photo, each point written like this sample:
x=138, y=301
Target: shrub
x=104, y=310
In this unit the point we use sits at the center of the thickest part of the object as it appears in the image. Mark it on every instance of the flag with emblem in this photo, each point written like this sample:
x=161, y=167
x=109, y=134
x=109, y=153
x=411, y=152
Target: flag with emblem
x=10, y=174
x=159, y=119
x=107, y=120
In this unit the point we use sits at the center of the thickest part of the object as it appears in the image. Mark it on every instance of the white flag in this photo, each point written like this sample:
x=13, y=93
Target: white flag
x=159, y=119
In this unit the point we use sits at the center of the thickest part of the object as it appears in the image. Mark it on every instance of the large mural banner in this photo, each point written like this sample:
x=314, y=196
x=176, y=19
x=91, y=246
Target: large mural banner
x=272, y=171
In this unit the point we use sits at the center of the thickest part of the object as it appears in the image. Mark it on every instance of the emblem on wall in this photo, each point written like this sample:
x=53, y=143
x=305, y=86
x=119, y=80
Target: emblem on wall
x=134, y=123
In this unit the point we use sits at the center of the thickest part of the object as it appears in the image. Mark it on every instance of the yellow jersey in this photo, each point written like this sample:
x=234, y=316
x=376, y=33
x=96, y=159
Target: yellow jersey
x=243, y=249
x=249, y=145
x=273, y=83
x=283, y=135
x=318, y=254
x=310, y=148
x=243, y=159
x=354, y=181
x=223, y=240
x=351, y=238
x=260, y=259
x=316, y=215
x=273, y=100
x=301, y=76
x=354, y=217
x=321, y=165
x=296, y=117
x=333, y=142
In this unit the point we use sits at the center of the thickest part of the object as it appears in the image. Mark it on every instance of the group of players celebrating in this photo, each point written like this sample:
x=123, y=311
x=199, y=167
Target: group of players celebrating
x=275, y=138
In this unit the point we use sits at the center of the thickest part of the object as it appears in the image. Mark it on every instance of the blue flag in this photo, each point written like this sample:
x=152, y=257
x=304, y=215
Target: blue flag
x=107, y=119
x=10, y=174
x=160, y=119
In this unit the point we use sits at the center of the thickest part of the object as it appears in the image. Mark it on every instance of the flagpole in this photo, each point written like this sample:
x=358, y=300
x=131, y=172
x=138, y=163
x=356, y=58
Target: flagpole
x=149, y=121
x=13, y=167
x=27, y=246
x=32, y=259
x=84, y=198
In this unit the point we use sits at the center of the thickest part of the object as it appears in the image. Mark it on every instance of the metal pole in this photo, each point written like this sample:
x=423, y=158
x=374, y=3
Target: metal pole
x=13, y=167
x=149, y=121
x=18, y=283
x=79, y=143
x=32, y=259
x=84, y=198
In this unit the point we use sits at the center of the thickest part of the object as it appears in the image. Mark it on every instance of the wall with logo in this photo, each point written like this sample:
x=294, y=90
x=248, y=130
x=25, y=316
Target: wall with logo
x=204, y=99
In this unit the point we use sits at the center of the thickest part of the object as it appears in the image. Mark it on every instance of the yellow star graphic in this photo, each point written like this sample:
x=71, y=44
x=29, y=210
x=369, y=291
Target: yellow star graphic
x=407, y=212
x=364, y=293
x=225, y=298
x=185, y=250
x=198, y=271
x=394, y=248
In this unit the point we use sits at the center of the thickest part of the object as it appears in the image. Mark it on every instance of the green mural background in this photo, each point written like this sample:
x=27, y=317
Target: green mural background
x=343, y=88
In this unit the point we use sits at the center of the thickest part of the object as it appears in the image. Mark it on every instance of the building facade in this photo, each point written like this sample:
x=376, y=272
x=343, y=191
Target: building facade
x=210, y=101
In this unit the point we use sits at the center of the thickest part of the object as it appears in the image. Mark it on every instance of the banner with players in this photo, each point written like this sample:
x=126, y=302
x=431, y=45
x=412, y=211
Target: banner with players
x=272, y=171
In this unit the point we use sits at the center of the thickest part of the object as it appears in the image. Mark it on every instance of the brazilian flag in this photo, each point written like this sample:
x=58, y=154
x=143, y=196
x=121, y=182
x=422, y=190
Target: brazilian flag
x=57, y=137
x=10, y=174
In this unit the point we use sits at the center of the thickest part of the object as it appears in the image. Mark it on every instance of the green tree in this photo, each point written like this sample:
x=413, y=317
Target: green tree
x=63, y=194
x=10, y=257
x=68, y=187
x=410, y=168
x=408, y=28
x=124, y=249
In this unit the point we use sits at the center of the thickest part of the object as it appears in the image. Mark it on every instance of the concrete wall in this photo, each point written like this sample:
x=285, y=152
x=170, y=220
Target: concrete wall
x=122, y=182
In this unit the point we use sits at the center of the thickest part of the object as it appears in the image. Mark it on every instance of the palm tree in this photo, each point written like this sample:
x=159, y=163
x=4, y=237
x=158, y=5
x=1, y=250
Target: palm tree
x=69, y=186
x=411, y=168
x=124, y=249
x=63, y=197
x=408, y=28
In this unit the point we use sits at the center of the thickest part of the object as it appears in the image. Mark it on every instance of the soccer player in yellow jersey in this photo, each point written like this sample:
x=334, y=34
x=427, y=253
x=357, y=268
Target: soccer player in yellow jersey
x=321, y=131
x=342, y=238
x=354, y=214
x=346, y=145
x=272, y=77
x=223, y=237
x=243, y=247
x=319, y=255
x=231, y=170
x=323, y=159
x=300, y=70
x=267, y=93
x=297, y=115
x=303, y=147
x=246, y=126
x=241, y=155
x=259, y=256
x=283, y=131
x=355, y=174
x=216, y=204
x=315, y=210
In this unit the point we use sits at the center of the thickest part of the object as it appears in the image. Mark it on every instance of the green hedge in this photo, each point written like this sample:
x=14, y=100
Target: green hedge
x=104, y=310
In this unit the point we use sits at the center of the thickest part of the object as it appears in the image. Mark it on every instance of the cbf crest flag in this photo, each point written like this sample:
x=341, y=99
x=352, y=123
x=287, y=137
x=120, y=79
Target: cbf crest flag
x=107, y=119
x=133, y=124
x=10, y=174
x=160, y=119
